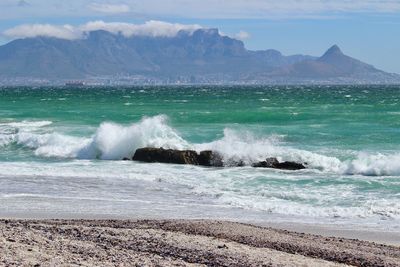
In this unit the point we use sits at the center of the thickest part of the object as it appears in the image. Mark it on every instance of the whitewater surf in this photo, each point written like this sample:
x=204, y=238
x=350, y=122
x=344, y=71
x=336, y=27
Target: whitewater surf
x=66, y=160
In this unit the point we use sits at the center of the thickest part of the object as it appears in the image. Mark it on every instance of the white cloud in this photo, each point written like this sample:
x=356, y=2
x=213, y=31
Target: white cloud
x=109, y=8
x=242, y=35
x=149, y=28
x=33, y=30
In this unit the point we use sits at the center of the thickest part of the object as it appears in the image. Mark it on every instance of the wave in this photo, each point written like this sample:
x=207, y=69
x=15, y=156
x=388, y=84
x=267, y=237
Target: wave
x=246, y=147
x=110, y=142
x=9, y=130
x=373, y=165
x=113, y=141
x=27, y=124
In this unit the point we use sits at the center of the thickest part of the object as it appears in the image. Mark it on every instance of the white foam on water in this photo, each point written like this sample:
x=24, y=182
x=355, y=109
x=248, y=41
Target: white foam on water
x=246, y=147
x=52, y=145
x=110, y=142
x=375, y=209
x=113, y=141
x=9, y=130
x=5, y=139
x=373, y=165
x=27, y=124
x=255, y=190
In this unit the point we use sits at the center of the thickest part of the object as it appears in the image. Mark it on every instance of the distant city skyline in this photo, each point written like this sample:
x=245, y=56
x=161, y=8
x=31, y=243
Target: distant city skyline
x=368, y=30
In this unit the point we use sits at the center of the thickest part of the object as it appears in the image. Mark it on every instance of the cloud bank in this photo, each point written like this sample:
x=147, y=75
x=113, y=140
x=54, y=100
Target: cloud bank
x=150, y=28
x=33, y=30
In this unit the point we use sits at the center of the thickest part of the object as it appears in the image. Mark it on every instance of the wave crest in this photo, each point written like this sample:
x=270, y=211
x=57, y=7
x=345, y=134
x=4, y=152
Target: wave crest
x=373, y=165
x=113, y=141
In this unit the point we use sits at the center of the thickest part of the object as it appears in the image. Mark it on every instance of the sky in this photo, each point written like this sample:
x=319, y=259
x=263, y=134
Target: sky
x=368, y=30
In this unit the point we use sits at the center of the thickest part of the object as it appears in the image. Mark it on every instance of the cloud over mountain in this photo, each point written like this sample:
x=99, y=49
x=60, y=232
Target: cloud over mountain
x=158, y=51
x=150, y=28
x=47, y=30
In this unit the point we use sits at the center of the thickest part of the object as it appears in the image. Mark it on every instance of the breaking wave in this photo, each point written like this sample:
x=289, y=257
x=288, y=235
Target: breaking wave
x=113, y=141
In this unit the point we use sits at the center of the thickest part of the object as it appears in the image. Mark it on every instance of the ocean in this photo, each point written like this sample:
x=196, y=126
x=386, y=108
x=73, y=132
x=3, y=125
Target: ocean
x=61, y=151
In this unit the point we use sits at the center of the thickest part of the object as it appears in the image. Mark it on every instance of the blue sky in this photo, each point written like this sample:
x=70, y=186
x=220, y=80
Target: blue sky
x=368, y=30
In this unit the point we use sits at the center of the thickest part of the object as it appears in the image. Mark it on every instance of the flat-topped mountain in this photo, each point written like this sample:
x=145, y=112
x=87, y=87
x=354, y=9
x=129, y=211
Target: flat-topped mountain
x=203, y=55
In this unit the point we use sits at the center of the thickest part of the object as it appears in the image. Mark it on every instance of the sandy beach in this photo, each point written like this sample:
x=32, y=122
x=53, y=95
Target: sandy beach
x=178, y=243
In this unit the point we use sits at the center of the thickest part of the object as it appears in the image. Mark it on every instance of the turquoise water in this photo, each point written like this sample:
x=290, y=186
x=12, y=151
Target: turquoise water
x=60, y=151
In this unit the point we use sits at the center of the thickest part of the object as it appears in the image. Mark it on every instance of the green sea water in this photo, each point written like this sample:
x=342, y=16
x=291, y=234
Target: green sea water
x=60, y=148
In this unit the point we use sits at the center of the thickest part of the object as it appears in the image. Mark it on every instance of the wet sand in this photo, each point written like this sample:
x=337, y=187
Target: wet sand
x=178, y=243
x=388, y=237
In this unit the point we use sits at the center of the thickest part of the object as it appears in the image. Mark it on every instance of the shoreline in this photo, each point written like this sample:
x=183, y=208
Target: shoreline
x=178, y=243
x=387, y=237
x=381, y=236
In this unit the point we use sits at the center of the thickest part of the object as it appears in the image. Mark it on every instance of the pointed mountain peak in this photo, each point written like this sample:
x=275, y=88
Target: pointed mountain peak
x=334, y=50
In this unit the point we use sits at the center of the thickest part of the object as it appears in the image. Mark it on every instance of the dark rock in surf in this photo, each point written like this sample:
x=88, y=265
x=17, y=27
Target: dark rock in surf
x=292, y=166
x=205, y=158
x=210, y=158
x=149, y=154
x=268, y=163
x=275, y=164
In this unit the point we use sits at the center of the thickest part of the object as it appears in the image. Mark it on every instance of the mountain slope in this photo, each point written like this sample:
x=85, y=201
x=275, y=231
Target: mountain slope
x=204, y=54
x=334, y=66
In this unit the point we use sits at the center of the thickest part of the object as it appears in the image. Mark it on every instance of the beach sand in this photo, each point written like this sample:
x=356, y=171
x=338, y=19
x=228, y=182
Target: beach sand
x=178, y=243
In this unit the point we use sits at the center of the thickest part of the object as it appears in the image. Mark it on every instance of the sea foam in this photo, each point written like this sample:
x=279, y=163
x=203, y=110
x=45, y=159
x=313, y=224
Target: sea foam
x=373, y=165
x=112, y=141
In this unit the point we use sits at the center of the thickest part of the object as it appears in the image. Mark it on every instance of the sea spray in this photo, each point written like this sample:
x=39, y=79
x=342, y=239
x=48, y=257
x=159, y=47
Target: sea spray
x=373, y=165
x=113, y=141
x=52, y=145
x=246, y=147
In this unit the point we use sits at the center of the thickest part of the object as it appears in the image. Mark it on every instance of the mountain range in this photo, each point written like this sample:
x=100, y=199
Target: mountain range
x=202, y=56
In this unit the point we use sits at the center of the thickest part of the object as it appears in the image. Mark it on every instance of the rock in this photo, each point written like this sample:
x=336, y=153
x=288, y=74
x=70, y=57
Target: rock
x=289, y=165
x=149, y=154
x=268, y=163
x=205, y=158
x=210, y=158
x=275, y=164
